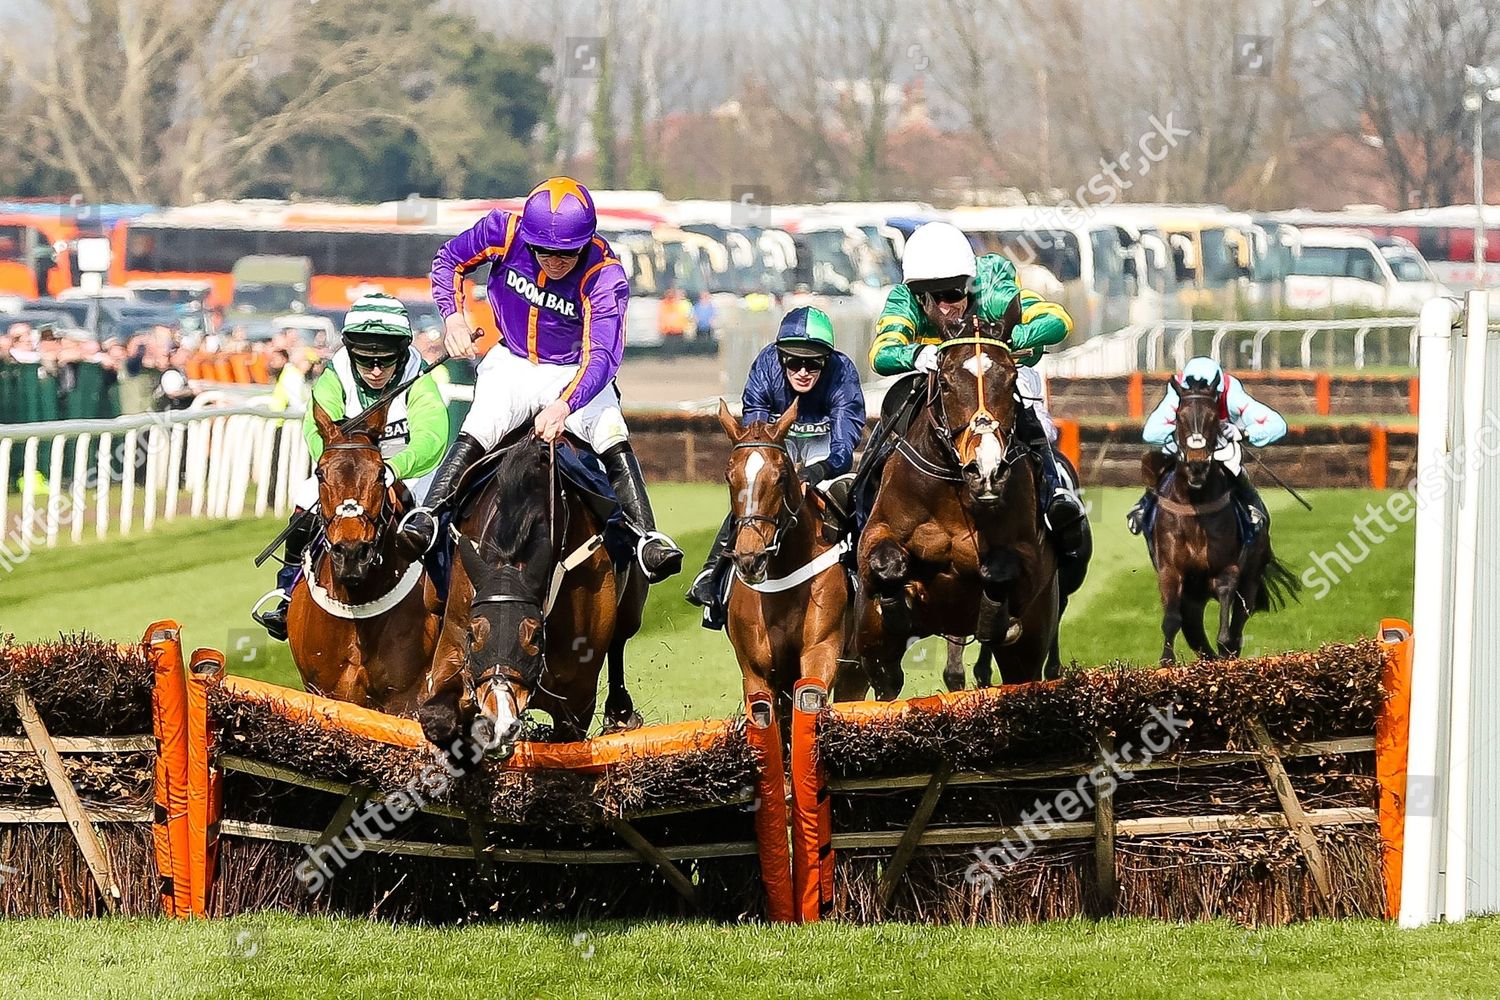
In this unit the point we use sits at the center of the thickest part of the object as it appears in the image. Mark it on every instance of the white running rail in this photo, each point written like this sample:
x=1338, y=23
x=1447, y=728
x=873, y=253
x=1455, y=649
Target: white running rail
x=1244, y=345
x=112, y=474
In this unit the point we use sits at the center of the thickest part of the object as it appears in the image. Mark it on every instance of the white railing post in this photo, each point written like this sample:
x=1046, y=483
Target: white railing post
x=5, y=449
x=28, y=486
x=127, y=483
x=80, y=484
x=55, y=486
x=1421, y=860
x=101, y=495
x=153, y=465
x=174, y=469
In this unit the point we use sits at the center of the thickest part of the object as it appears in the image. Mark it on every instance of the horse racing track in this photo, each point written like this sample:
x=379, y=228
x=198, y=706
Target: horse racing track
x=143, y=780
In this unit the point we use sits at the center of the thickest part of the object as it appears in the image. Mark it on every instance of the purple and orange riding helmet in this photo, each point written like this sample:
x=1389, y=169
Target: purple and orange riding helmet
x=558, y=215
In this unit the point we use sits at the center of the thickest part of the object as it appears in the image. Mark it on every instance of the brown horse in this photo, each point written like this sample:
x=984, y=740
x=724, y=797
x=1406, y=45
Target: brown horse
x=363, y=620
x=535, y=606
x=789, y=600
x=955, y=544
x=1195, y=541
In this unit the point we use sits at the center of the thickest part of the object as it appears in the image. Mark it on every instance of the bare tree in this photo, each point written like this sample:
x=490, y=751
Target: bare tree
x=1400, y=66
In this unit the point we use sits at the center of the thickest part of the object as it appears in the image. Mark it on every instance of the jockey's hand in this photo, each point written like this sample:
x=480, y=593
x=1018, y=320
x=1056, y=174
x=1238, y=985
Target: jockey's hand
x=457, y=336
x=549, y=423
x=926, y=359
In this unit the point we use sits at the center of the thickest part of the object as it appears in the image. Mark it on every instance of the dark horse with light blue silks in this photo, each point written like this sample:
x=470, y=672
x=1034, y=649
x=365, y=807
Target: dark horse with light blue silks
x=537, y=603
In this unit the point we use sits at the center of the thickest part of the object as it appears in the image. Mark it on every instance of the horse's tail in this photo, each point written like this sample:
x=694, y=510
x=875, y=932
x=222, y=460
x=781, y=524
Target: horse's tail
x=1278, y=585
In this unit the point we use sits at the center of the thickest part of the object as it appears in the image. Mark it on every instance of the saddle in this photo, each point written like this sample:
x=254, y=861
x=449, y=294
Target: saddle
x=582, y=475
x=1159, y=500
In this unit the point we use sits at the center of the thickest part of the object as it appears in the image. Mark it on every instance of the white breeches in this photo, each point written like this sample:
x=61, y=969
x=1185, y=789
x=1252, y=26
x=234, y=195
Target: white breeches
x=511, y=390
x=1030, y=388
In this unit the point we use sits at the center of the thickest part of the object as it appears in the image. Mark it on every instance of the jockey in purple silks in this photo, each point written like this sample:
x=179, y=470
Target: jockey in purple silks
x=559, y=295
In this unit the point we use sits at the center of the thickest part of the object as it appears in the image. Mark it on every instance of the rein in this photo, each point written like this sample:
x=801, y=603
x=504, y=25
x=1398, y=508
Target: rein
x=982, y=422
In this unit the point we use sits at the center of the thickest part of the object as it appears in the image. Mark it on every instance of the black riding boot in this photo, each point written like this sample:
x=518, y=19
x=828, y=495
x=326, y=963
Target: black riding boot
x=703, y=593
x=304, y=525
x=659, y=556
x=1137, y=517
x=1065, y=515
x=1248, y=496
x=419, y=528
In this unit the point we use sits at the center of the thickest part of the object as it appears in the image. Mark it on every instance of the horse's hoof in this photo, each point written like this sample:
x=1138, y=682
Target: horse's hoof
x=629, y=722
x=1012, y=634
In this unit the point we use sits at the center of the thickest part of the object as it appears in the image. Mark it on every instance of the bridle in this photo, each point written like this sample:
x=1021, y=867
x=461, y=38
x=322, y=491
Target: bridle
x=1199, y=427
x=982, y=422
x=785, y=518
x=349, y=508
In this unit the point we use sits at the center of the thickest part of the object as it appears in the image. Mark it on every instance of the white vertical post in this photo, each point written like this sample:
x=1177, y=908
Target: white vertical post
x=5, y=447
x=127, y=485
x=28, y=486
x=1465, y=569
x=284, y=484
x=1420, y=858
x=154, y=443
x=197, y=465
x=80, y=485
x=101, y=497
x=265, y=448
x=218, y=471
x=55, y=487
x=174, y=469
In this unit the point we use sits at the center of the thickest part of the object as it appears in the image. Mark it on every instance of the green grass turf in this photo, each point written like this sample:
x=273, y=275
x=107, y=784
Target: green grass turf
x=201, y=574
x=277, y=956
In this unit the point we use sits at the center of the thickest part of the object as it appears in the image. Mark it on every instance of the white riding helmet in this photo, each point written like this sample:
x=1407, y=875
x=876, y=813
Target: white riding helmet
x=937, y=250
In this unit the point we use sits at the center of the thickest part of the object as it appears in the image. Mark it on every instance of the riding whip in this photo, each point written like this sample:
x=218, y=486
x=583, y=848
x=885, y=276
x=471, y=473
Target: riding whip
x=1277, y=479
x=393, y=391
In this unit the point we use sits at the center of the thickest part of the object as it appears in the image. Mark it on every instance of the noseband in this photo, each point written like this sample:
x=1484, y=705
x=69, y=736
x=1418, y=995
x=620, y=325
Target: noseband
x=351, y=508
x=785, y=518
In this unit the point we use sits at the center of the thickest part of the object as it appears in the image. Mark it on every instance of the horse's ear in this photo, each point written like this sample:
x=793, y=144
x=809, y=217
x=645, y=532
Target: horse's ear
x=726, y=420
x=784, y=424
x=1218, y=380
x=328, y=428
x=375, y=422
x=1012, y=318
x=474, y=564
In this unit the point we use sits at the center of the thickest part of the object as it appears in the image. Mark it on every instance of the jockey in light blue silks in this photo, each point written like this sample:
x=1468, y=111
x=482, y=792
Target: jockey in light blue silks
x=1241, y=415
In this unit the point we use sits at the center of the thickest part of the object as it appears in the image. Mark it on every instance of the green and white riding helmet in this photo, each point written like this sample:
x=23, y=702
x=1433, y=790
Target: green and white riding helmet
x=805, y=333
x=377, y=325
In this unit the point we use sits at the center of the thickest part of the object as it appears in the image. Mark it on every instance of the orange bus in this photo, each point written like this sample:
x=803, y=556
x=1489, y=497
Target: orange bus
x=21, y=236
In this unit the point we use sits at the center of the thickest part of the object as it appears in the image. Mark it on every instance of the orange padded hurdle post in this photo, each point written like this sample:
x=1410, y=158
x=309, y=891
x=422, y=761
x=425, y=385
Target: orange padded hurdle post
x=1323, y=393
x=169, y=724
x=1068, y=441
x=1392, y=732
x=205, y=789
x=764, y=736
x=1380, y=457
x=812, y=818
x=1135, y=395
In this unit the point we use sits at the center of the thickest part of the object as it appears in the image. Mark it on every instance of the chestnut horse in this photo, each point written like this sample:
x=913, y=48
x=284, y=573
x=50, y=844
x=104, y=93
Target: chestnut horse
x=363, y=620
x=789, y=607
x=955, y=544
x=1195, y=540
x=535, y=606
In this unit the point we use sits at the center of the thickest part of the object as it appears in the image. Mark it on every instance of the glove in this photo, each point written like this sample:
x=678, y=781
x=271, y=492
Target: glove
x=391, y=479
x=926, y=359
x=815, y=473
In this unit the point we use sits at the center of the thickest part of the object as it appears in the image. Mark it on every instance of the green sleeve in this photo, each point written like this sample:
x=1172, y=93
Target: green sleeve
x=329, y=394
x=427, y=422
x=1042, y=324
x=897, y=334
x=994, y=286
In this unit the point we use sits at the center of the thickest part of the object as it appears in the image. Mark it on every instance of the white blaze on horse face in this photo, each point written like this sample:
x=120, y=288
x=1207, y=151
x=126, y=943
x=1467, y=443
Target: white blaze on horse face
x=753, y=466
x=978, y=364
x=988, y=454
x=1196, y=441
x=498, y=704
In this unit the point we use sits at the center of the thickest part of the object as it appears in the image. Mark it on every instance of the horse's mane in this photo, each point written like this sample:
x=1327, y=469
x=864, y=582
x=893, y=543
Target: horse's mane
x=521, y=491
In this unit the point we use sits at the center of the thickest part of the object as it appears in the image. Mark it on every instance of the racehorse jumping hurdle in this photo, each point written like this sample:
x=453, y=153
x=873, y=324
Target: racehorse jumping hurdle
x=1262, y=790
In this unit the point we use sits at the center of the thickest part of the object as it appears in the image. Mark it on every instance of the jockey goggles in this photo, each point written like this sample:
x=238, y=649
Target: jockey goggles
x=554, y=252
x=949, y=294
x=793, y=362
x=368, y=362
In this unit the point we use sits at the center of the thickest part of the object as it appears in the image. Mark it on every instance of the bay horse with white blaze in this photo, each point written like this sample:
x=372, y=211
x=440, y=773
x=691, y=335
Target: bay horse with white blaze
x=536, y=605
x=363, y=620
x=956, y=544
x=789, y=606
x=1195, y=542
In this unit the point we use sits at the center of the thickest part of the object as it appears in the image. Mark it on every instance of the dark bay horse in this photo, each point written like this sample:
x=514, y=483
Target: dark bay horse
x=535, y=608
x=363, y=620
x=1195, y=541
x=956, y=544
x=789, y=606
